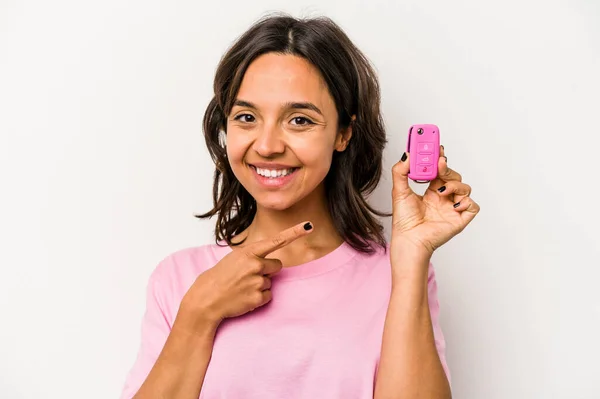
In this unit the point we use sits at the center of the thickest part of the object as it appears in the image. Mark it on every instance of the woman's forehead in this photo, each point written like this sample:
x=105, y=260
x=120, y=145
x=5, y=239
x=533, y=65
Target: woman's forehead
x=275, y=79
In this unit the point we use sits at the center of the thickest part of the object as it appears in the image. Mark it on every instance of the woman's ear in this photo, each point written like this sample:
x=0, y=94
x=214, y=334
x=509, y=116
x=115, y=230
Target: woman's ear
x=343, y=137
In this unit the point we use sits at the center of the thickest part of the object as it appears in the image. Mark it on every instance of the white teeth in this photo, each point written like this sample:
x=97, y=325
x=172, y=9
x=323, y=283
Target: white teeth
x=273, y=173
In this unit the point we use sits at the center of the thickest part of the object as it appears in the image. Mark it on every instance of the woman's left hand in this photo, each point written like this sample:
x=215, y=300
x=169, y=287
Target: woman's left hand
x=426, y=222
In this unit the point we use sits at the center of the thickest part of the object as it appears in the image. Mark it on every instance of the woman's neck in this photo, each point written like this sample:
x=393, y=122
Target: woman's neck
x=268, y=223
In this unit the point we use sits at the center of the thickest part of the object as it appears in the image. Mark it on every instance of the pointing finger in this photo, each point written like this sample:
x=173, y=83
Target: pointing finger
x=265, y=247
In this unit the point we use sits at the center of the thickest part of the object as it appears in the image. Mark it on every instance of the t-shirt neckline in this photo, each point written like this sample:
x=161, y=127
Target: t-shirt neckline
x=330, y=261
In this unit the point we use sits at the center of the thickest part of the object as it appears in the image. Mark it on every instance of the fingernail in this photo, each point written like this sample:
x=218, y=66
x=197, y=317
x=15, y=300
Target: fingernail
x=457, y=204
x=442, y=189
x=403, y=157
x=442, y=147
x=307, y=226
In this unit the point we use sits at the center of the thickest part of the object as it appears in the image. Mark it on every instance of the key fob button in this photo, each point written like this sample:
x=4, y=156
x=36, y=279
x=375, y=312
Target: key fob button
x=425, y=148
x=424, y=168
x=424, y=159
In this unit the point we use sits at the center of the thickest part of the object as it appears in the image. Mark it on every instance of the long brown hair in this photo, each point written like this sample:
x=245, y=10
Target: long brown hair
x=354, y=86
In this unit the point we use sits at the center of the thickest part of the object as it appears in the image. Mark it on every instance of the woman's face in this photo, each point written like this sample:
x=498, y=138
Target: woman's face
x=282, y=130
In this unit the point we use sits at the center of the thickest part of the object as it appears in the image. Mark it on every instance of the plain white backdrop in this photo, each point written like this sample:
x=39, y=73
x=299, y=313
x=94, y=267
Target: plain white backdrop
x=103, y=164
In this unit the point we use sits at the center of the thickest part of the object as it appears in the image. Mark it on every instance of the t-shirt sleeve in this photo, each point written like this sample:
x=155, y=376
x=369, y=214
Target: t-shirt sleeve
x=155, y=329
x=434, y=308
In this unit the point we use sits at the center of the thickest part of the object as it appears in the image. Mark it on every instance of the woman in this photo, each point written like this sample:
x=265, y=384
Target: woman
x=301, y=296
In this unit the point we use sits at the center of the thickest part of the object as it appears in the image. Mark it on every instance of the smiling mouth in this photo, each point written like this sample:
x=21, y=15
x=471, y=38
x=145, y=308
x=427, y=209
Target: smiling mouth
x=274, y=173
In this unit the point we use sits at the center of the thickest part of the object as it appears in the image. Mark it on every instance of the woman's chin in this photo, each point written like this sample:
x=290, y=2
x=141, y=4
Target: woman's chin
x=274, y=204
x=275, y=201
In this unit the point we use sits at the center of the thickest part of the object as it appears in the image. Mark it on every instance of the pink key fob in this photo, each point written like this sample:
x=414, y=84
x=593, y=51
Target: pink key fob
x=423, y=145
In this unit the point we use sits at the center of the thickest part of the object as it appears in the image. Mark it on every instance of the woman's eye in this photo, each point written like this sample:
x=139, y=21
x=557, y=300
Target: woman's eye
x=244, y=118
x=301, y=121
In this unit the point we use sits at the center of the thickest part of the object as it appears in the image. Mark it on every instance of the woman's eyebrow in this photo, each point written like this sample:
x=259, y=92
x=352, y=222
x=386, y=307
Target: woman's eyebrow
x=303, y=105
x=288, y=105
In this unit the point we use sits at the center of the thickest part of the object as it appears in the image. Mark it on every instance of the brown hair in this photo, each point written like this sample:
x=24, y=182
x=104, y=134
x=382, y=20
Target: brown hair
x=352, y=83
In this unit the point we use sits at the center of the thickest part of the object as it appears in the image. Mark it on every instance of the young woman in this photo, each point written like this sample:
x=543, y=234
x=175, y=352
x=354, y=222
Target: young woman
x=301, y=296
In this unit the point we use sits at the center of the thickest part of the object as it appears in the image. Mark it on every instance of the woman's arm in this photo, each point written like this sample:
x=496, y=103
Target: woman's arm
x=410, y=366
x=181, y=366
x=175, y=349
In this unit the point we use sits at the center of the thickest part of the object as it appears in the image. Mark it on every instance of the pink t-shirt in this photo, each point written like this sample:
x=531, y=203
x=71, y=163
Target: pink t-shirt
x=319, y=337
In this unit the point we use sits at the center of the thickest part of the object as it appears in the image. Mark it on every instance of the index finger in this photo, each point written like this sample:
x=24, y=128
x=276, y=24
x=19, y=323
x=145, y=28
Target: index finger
x=265, y=247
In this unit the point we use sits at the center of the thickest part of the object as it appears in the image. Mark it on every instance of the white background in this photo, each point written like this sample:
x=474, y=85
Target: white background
x=103, y=164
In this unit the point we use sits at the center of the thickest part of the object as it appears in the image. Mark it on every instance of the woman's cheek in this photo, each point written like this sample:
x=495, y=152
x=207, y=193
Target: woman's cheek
x=314, y=154
x=236, y=148
x=235, y=157
x=318, y=164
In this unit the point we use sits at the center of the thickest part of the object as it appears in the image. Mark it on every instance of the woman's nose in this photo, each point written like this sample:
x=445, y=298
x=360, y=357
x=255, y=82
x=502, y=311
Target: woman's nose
x=269, y=141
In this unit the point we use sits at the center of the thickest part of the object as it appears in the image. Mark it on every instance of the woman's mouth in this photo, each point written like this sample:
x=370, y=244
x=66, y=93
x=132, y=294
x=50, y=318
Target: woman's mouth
x=274, y=178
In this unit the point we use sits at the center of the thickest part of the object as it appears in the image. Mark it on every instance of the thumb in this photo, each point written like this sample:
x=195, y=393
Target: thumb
x=400, y=187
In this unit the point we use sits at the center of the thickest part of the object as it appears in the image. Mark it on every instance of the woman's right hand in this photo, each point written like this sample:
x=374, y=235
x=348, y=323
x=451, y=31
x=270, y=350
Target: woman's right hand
x=239, y=283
